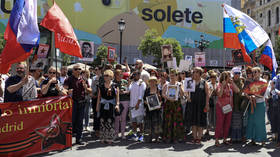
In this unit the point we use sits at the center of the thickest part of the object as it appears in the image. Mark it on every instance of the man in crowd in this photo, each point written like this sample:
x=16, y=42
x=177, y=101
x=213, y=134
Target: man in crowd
x=39, y=78
x=144, y=74
x=137, y=89
x=63, y=75
x=20, y=86
x=94, y=86
x=77, y=87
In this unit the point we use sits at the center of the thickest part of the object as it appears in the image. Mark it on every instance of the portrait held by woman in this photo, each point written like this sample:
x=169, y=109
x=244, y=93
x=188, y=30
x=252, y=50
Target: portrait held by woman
x=173, y=128
x=152, y=120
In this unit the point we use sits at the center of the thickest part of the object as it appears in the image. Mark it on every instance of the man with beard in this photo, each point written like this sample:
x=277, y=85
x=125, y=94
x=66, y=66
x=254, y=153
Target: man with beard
x=144, y=74
x=20, y=86
x=137, y=89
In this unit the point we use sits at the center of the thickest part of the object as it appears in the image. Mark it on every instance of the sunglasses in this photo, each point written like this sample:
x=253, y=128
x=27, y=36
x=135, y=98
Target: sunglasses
x=237, y=73
x=106, y=75
x=52, y=72
x=255, y=72
x=76, y=69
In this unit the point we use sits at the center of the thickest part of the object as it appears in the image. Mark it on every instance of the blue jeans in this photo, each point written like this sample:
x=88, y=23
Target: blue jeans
x=87, y=112
x=77, y=118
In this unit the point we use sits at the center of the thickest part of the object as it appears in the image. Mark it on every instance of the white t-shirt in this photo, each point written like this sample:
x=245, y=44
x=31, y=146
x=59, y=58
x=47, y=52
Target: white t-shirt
x=137, y=90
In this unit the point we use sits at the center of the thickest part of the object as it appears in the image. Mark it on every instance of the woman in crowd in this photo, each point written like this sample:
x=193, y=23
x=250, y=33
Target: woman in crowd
x=107, y=103
x=153, y=73
x=238, y=109
x=51, y=86
x=211, y=115
x=224, y=106
x=122, y=84
x=274, y=107
x=173, y=118
x=199, y=105
x=162, y=80
x=86, y=77
x=152, y=120
x=181, y=79
x=256, y=130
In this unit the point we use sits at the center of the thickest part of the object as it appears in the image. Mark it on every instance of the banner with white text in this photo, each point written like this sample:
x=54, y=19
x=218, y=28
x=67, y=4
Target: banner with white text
x=33, y=127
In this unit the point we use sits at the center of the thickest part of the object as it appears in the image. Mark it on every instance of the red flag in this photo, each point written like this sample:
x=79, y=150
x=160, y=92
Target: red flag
x=65, y=38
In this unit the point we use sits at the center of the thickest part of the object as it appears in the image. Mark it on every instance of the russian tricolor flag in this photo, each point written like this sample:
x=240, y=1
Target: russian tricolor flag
x=242, y=32
x=268, y=58
x=21, y=35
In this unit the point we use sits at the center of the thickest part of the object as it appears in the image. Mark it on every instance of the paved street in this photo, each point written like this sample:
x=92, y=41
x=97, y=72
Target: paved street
x=93, y=148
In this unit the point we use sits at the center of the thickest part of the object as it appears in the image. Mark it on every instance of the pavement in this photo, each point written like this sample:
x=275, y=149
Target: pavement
x=125, y=148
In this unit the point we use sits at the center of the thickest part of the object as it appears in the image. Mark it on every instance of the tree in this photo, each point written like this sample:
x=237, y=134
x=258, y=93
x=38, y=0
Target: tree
x=2, y=42
x=151, y=43
x=101, y=54
x=277, y=48
x=66, y=59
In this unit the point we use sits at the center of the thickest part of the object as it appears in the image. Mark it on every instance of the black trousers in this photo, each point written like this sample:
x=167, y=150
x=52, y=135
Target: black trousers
x=77, y=118
x=96, y=119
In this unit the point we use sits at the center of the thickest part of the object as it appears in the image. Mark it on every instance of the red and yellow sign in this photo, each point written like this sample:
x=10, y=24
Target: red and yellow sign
x=34, y=127
x=256, y=88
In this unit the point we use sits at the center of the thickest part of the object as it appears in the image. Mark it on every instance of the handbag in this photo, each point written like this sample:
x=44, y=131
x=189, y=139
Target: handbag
x=120, y=111
x=226, y=109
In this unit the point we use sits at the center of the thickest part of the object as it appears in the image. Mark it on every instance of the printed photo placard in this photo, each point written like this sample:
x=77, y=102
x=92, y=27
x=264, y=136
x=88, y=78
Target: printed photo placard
x=189, y=85
x=153, y=102
x=173, y=92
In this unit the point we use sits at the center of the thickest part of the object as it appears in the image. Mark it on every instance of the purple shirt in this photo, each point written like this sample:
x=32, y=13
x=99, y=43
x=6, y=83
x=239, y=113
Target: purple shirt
x=77, y=86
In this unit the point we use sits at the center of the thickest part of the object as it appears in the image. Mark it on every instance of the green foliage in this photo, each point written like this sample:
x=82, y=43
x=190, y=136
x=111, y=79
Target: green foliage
x=66, y=59
x=277, y=48
x=2, y=42
x=101, y=54
x=151, y=43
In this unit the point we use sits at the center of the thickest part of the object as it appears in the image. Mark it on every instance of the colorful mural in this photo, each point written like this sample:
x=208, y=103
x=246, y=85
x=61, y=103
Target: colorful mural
x=94, y=20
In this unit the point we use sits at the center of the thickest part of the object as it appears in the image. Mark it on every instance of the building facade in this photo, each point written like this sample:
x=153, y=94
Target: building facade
x=266, y=13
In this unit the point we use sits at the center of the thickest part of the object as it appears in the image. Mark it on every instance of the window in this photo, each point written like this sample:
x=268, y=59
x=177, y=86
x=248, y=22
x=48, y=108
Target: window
x=269, y=18
x=260, y=14
x=268, y=1
x=248, y=11
x=277, y=15
x=260, y=2
x=276, y=33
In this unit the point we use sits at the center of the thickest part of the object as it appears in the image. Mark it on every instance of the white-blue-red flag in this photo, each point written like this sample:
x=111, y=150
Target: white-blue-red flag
x=242, y=32
x=268, y=58
x=21, y=35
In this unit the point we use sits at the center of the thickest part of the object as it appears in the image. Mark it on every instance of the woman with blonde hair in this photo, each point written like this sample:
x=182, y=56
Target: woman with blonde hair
x=51, y=86
x=107, y=103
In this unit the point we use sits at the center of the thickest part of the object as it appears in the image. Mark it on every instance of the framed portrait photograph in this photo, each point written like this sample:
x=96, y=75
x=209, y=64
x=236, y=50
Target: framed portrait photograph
x=153, y=102
x=111, y=54
x=40, y=63
x=87, y=48
x=173, y=92
x=189, y=85
x=167, y=53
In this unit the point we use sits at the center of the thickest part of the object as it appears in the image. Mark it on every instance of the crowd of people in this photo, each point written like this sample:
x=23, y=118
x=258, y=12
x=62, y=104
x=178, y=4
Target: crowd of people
x=143, y=101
